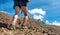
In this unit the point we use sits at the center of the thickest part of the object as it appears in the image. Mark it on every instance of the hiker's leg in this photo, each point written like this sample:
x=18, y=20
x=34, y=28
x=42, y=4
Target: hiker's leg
x=25, y=14
x=15, y=17
x=26, y=18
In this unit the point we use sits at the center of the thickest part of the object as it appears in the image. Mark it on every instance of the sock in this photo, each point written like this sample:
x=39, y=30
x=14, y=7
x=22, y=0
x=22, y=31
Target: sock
x=15, y=19
x=26, y=19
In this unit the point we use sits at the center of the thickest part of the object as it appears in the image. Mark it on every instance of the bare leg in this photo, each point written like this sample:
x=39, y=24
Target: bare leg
x=17, y=10
x=26, y=18
x=25, y=14
x=14, y=19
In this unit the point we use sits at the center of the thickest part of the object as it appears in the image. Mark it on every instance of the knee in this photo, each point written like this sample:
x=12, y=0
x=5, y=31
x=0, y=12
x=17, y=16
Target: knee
x=16, y=13
x=17, y=10
x=26, y=14
x=16, y=16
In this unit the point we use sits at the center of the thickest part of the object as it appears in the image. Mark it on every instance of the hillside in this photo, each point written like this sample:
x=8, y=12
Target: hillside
x=39, y=27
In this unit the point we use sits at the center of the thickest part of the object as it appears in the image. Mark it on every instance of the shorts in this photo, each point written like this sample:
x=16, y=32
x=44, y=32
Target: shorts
x=19, y=4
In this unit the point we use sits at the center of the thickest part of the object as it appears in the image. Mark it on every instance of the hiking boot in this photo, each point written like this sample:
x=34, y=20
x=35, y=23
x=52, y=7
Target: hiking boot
x=10, y=26
x=23, y=27
x=31, y=28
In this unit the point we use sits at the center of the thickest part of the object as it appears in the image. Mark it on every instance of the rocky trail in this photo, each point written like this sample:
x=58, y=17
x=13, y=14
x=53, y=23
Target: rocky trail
x=39, y=27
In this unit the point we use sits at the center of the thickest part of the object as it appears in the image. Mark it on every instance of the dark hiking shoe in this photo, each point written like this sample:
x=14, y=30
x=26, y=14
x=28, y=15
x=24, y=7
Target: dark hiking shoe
x=11, y=27
x=31, y=28
x=23, y=27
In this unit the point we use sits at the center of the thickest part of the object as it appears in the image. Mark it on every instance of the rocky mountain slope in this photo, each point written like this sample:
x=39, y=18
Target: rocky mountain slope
x=39, y=27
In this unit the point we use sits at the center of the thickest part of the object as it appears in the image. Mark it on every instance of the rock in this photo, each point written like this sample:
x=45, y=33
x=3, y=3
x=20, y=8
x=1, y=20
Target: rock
x=39, y=27
x=49, y=32
x=53, y=33
x=45, y=34
x=39, y=33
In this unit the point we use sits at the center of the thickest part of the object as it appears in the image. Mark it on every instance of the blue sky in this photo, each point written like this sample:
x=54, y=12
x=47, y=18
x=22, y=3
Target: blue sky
x=47, y=11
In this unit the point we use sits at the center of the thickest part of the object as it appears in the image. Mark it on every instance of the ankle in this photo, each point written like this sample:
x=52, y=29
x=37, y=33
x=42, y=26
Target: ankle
x=15, y=19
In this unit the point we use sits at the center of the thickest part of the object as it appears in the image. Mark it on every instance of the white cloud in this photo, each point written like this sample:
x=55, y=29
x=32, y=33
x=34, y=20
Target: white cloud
x=38, y=17
x=47, y=22
x=4, y=12
x=38, y=11
x=53, y=23
x=7, y=12
x=56, y=23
